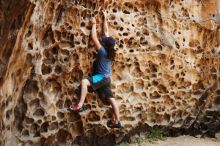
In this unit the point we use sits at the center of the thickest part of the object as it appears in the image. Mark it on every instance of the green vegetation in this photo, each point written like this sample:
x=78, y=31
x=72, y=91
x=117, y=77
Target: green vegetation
x=154, y=135
x=151, y=136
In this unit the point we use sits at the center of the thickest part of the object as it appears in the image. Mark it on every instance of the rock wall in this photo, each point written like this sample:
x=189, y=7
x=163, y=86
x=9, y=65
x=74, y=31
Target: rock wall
x=166, y=73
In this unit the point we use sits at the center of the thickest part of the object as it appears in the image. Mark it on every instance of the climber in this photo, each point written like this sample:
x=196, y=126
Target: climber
x=100, y=81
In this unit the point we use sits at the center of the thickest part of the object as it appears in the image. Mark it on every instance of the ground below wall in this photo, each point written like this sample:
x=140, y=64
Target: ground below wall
x=166, y=72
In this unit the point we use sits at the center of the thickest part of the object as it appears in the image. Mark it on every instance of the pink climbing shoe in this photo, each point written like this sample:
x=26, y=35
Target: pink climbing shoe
x=75, y=108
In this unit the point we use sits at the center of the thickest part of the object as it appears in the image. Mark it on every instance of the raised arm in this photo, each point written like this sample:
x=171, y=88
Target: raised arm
x=94, y=34
x=105, y=26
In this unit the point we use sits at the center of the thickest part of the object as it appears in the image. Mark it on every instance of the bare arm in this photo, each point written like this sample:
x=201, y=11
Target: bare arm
x=94, y=34
x=105, y=26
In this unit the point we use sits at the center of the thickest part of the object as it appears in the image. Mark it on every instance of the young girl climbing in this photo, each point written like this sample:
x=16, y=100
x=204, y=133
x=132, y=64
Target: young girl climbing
x=100, y=81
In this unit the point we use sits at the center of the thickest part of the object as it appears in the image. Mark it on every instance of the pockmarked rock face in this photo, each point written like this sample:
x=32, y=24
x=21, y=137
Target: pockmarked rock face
x=167, y=69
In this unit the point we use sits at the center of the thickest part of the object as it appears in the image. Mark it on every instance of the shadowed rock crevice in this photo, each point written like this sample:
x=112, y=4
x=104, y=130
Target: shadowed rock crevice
x=12, y=15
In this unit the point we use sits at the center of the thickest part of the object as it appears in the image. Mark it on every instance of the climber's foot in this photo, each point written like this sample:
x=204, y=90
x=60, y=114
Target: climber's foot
x=113, y=124
x=75, y=108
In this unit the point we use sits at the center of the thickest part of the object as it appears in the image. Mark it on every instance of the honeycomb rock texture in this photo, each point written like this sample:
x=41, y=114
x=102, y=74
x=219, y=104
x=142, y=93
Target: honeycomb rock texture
x=166, y=72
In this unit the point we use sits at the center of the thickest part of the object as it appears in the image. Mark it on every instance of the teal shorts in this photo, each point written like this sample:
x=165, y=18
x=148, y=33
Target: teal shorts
x=97, y=78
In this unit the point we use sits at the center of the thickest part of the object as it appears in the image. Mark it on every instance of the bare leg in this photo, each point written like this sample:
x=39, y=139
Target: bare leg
x=84, y=90
x=115, y=109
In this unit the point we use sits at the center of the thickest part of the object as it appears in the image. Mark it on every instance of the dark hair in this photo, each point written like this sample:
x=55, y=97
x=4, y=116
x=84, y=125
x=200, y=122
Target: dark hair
x=111, y=53
x=109, y=44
